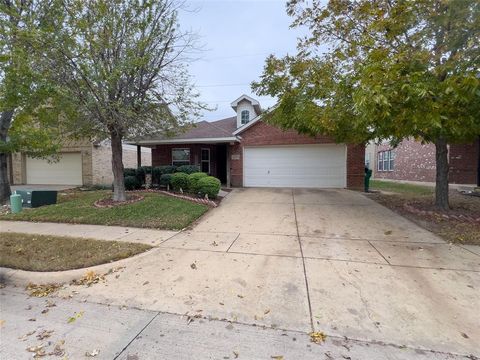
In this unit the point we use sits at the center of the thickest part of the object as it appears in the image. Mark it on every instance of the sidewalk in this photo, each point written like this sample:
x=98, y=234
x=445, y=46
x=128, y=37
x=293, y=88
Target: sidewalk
x=100, y=232
x=125, y=333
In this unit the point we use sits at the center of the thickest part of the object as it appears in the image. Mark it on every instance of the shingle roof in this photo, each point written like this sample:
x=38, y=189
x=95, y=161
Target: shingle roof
x=203, y=130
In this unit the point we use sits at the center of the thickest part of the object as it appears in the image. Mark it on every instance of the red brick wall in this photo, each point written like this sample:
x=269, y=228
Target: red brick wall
x=162, y=155
x=355, y=166
x=413, y=162
x=264, y=134
x=464, y=163
x=416, y=162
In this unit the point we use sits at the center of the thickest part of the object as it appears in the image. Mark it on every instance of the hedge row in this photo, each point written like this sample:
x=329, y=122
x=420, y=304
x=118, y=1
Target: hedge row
x=196, y=183
x=157, y=172
x=188, y=180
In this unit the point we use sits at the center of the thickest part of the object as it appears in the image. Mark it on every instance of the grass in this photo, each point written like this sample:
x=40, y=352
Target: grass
x=396, y=195
x=155, y=211
x=55, y=253
x=401, y=188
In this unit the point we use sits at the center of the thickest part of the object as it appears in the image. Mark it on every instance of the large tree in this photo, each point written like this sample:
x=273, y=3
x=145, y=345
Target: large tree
x=31, y=110
x=123, y=65
x=384, y=70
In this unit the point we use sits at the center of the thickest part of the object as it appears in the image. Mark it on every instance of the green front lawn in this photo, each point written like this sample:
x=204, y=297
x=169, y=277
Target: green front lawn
x=401, y=188
x=155, y=211
x=57, y=253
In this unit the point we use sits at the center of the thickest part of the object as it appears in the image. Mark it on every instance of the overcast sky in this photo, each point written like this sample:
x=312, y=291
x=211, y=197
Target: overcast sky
x=237, y=36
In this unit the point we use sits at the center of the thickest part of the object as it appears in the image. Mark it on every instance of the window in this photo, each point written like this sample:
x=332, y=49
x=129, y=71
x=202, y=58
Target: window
x=180, y=157
x=386, y=160
x=380, y=161
x=205, y=161
x=245, y=114
x=367, y=160
x=392, y=160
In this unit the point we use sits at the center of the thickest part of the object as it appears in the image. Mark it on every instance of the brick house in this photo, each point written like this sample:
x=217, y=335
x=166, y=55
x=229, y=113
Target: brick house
x=80, y=163
x=242, y=150
x=413, y=161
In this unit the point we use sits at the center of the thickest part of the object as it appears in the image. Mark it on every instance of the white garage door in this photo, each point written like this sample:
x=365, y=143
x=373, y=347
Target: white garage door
x=67, y=171
x=317, y=166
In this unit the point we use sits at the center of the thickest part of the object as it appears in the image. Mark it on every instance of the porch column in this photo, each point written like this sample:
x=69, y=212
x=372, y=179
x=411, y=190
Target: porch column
x=228, y=166
x=139, y=156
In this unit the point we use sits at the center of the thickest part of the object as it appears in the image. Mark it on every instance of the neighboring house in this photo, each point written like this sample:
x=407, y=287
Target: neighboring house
x=414, y=161
x=80, y=163
x=245, y=151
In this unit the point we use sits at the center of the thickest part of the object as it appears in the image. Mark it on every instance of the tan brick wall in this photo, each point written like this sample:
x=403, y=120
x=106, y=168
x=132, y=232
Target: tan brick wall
x=102, y=162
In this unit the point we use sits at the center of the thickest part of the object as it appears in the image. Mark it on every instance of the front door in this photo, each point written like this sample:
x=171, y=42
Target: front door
x=205, y=161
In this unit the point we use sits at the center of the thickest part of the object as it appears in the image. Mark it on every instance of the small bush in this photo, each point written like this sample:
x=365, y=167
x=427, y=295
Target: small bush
x=179, y=181
x=131, y=183
x=156, y=173
x=209, y=185
x=129, y=172
x=188, y=169
x=165, y=179
x=193, y=181
x=167, y=169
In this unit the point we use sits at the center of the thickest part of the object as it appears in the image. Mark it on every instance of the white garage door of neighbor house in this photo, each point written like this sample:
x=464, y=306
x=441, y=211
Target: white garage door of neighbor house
x=67, y=171
x=310, y=166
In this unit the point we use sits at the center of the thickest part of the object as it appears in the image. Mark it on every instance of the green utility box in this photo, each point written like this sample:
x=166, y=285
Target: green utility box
x=16, y=203
x=368, y=175
x=37, y=198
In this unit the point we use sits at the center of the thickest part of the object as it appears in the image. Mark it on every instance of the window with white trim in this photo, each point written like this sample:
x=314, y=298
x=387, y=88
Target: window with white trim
x=245, y=116
x=180, y=156
x=386, y=160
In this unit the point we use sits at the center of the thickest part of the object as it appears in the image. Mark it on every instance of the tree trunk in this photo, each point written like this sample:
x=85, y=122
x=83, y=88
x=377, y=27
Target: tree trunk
x=5, y=122
x=441, y=184
x=117, y=167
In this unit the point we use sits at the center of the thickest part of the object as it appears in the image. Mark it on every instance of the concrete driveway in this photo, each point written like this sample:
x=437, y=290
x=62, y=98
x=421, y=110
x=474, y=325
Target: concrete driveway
x=302, y=260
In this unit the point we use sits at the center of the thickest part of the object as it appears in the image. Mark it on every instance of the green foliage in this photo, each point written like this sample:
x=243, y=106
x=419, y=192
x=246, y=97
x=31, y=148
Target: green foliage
x=210, y=186
x=129, y=172
x=193, y=181
x=165, y=179
x=132, y=183
x=384, y=75
x=188, y=169
x=33, y=111
x=179, y=181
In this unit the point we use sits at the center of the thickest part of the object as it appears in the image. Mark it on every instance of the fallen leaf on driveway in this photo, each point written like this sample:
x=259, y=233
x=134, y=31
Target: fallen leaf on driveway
x=235, y=354
x=193, y=266
x=90, y=278
x=240, y=296
x=388, y=232
x=75, y=317
x=266, y=311
x=58, y=350
x=214, y=243
x=42, y=290
x=317, y=337
x=465, y=335
x=38, y=350
x=146, y=283
x=92, y=353
x=44, y=311
x=24, y=337
x=277, y=357
x=44, y=334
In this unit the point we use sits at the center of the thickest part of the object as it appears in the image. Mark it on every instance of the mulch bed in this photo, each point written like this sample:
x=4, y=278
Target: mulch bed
x=109, y=203
x=461, y=224
x=208, y=202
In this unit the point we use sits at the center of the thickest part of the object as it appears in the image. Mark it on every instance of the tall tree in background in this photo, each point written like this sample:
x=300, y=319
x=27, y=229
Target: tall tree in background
x=384, y=69
x=31, y=109
x=124, y=67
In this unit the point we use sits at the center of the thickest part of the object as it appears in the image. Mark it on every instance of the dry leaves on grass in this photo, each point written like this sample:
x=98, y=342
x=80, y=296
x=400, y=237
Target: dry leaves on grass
x=42, y=290
x=317, y=337
x=90, y=278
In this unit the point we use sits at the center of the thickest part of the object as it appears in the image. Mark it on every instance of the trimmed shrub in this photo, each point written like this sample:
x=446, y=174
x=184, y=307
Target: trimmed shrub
x=193, y=181
x=156, y=173
x=167, y=169
x=179, y=181
x=209, y=185
x=131, y=183
x=165, y=179
x=188, y=169
x=129, y=172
